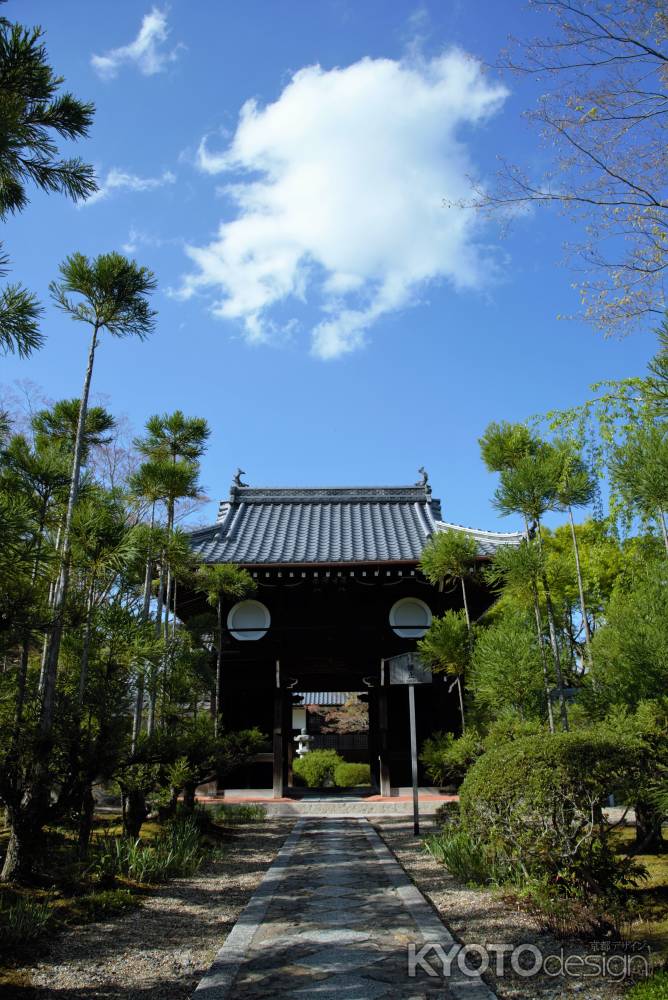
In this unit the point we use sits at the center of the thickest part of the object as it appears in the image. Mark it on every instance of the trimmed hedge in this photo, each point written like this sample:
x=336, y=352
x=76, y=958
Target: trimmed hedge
x=317, y=767
x=535, y=803
x=349, y=775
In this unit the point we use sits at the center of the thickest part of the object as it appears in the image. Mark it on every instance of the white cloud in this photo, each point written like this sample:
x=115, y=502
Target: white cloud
x=343, y=204
x=140, y=238
x=121, y=180
x=146, y=52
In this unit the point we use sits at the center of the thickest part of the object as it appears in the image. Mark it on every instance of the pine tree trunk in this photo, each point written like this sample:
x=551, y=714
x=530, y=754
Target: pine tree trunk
x=460, y=677
x=26, y=821
x=86, y=817
x=541, y=644
x=649, y=822
x=22, y=678
x=461, y=703
x=85, y=652
x=553, y=642
x=153, y=685
x=189, y=796
x=543, y=657
x=134, y=812
x=146, y=607
x=583, y=607
x=60, y=596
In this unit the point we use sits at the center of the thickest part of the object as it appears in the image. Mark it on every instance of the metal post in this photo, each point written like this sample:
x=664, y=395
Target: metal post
x=414, y=771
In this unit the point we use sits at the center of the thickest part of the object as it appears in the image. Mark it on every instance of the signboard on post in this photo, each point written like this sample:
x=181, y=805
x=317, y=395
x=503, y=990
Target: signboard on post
x=408, y=669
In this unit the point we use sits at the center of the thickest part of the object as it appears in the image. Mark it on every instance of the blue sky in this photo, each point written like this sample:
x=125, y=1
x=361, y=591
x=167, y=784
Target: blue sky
x=323, y=300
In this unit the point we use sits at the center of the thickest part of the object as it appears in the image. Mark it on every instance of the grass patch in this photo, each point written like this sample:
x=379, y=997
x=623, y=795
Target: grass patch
x=233, y=815
x=650, y=899
x=112, y=880
x=654, y=988
x=101, y=905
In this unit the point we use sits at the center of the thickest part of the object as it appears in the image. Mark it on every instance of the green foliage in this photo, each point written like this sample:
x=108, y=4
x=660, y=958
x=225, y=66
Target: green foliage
x=348, y=775
x=531, y=486
x=654, y=988
x=535, y=803
x=23, y=922
x=506, y=670
x=576, y=486
x=503, y=445
x=172, y=437
x=58, y=425
x=175, y=853
x=33, y=115
x=449, y=555
x=447, y=813
x=107, y=292
x=224, y=580
x=446, y=646
x=20, y=314
x=447, y=757
x=639, y=469
x=237, y=813
x=582, y=916
x=464, y=857
x=631, y=649
x=317, y=767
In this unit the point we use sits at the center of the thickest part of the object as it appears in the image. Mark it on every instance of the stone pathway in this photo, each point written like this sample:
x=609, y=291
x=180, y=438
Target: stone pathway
x=334, y=917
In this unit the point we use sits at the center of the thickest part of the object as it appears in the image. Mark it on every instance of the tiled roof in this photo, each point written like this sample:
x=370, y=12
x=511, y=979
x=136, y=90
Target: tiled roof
x=327, y=697
x=270, y=526
x=488, y=541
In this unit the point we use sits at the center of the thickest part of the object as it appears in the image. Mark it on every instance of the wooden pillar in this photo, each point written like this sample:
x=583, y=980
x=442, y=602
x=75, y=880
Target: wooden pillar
x=383, y=740
x=287, y=739
x=277, y=743
x=373, y=736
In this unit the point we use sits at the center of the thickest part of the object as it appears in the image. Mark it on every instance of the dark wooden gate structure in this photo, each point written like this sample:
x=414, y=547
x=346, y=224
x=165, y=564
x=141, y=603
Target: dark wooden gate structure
x=338, y=591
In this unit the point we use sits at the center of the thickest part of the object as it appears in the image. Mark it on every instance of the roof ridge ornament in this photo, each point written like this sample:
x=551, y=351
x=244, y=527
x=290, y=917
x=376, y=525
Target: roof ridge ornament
x=237, y=478
x=425, y=477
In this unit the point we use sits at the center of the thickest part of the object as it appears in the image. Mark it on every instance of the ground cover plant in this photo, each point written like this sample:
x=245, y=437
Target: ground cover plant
x=114, y=877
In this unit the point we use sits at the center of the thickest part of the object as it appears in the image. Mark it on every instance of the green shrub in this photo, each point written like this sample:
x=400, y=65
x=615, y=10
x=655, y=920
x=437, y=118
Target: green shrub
x=447, y=814
x=535, y=803
x=654, y=988
x=349, y=775
x=317, y=767
x=447, y=757
x=583, y=917
x=22, y=925
x=464, y=857
x=176, y=852
x=231, y=815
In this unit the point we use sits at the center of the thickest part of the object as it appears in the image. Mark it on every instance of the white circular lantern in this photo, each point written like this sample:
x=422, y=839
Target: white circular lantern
x=248, y=620
x=410, y=618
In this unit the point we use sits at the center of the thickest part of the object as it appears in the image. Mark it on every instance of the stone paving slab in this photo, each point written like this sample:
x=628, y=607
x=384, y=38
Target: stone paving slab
x=334, y=917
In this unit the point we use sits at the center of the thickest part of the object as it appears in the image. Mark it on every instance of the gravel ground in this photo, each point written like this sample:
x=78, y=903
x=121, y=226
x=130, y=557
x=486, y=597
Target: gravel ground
x=479, y=917
x=161, y=950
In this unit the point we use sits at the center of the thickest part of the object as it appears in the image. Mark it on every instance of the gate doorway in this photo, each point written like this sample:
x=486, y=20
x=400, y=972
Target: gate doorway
x=330, y=720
